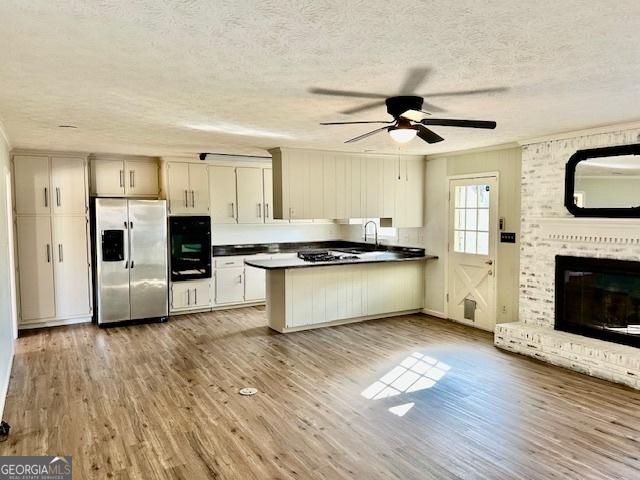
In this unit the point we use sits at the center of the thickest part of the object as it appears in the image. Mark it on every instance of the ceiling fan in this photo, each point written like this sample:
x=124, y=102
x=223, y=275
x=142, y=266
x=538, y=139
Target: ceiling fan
x=407, y=110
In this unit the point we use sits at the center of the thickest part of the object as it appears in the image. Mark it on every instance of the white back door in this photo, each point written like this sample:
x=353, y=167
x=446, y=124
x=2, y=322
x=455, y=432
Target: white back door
x=473, y=232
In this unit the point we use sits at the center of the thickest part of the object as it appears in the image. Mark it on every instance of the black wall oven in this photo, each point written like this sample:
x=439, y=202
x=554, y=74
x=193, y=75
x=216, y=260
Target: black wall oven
x=190, y=239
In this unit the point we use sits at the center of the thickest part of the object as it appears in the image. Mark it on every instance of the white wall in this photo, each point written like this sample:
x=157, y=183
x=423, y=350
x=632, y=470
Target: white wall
x=7, y=285
x=505, y=161
x=299, y=232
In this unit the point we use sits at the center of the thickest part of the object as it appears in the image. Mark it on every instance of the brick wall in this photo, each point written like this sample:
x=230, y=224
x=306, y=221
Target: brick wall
x=543, y=169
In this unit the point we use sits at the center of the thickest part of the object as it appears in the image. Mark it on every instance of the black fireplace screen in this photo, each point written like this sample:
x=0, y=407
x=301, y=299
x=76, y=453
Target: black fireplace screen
x=598, y=298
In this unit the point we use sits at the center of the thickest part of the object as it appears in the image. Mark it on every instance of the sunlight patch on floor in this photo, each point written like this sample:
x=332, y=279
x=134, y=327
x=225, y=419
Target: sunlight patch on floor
x=414, y=373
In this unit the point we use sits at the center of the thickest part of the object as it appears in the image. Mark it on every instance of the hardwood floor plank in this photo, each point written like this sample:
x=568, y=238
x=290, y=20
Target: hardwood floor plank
x=160, y=401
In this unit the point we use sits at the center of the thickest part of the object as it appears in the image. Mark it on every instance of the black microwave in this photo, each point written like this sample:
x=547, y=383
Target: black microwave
x=190, y=239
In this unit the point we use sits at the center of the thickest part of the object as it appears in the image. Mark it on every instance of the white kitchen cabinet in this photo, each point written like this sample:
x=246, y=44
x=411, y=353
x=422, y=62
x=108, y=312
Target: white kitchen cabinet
x=199, y=185
x=229, y=285
x=32, y=185
x=305, y=297
x=124, y=177
x=222, y=191
x=409, y=208
x=249, y=184
x=35, y=260
x=267, y=180
x=68, y=196
x=190, y=295
x=141, y=178
x=188, y=188
x=348, y=186
x=255, y=281
x=71, y=266
x=107, y=178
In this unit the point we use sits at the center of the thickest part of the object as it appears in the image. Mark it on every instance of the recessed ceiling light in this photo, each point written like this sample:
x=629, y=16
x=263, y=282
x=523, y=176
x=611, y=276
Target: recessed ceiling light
x=67, y=126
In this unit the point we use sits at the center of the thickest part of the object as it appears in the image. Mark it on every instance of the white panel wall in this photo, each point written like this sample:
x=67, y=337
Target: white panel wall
x=7, y=290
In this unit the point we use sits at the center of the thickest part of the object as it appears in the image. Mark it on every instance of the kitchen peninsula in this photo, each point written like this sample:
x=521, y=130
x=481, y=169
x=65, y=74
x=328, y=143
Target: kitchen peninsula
x=344, y=284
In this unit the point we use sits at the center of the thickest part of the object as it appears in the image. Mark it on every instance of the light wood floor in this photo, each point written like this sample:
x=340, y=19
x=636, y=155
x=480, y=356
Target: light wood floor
x=160, y=401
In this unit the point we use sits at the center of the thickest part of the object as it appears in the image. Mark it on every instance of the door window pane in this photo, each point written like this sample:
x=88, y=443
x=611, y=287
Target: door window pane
x=483, y=243
x=483, y=219
x=472, y=196
x=458, y=243
x=459, y=222
x=470, y=242
x=483, y=196
x=471, y=219
x=461, y=197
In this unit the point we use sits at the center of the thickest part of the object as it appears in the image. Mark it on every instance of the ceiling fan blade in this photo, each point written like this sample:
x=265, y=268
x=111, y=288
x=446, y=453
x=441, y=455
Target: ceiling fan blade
x=345, y=93
x=467, y=92
x=415, y=77
x=365, y=135
x=427, y=135
x=355, y=123
x=452, y=122
x=430, y=107
x=362, y=108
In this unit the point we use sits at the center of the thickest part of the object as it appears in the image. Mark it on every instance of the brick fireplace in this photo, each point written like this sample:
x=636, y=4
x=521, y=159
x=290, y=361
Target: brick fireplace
x=548, y=230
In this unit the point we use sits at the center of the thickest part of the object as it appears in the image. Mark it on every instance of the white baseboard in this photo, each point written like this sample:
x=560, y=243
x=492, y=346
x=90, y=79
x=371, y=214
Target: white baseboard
x=54, y=323
x=434, y=313
x=4, y=386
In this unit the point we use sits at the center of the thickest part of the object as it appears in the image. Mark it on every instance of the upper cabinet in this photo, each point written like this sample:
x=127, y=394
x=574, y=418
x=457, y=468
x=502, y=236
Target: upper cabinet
x=47, y=185
x=124, y=177
x=222, y=191
x=251, y=204
x=321, y=184
x=187, y=188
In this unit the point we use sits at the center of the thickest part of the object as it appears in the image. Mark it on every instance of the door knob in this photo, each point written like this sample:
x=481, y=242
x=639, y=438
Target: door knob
x=489, y=262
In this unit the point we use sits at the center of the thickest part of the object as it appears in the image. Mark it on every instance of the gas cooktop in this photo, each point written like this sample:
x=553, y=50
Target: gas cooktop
x=323, y=256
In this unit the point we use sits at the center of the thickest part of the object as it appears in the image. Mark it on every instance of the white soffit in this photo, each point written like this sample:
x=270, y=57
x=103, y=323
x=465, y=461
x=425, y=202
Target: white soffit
x=175, y=78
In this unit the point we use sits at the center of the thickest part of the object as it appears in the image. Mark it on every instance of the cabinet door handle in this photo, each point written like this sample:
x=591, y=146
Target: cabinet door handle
x=233, y=210
x=259, y=210
x=60, y=256
x=46, y=197
x=131, y=266
x=186, y=199
x=195, y=296
x=240, y=278
x=58, y=198
x=131, y=179
x=188, y=297
x=266, y=210
x=121, y=178
x=126, y=264
x=193, y=199
x=48, y=253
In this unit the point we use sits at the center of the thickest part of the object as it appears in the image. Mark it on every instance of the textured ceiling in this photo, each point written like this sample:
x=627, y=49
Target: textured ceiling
x=161, y=77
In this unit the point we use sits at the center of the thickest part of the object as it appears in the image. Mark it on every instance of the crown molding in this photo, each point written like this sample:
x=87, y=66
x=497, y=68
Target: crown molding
x=606, y=128
x=453, y=153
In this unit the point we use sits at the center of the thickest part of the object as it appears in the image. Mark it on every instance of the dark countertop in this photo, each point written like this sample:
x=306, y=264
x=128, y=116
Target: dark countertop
x=369, y=257
x=294, y=247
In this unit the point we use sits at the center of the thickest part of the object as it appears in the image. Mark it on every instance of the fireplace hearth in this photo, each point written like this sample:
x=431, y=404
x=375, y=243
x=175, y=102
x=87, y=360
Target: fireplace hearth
x=598, y=298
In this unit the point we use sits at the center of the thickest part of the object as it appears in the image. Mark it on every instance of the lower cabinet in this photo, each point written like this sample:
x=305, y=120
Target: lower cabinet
x=229, y=285
x=317, y=295
x=54, y=268
x=255, y=282
x=190, y=295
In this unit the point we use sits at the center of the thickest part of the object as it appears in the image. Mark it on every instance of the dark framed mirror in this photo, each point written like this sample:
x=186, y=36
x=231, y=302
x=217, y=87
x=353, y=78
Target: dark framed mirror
x=604, y=182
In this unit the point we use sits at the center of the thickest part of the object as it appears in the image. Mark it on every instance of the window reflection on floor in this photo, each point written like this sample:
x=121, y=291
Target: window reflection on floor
x=414, y=373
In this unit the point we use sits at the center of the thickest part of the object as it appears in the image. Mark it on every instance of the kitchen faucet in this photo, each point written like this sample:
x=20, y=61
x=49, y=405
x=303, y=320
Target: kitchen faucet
x=375, y=231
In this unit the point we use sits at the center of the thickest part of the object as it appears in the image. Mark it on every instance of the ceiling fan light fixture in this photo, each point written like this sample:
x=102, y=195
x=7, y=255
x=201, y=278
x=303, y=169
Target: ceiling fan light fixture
x=402, y=135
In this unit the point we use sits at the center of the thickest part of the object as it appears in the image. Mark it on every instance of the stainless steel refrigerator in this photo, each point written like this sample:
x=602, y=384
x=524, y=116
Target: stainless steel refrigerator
x=130, y=249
